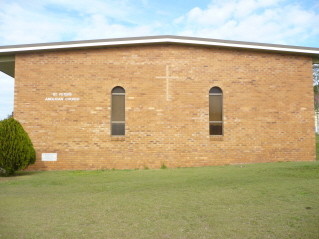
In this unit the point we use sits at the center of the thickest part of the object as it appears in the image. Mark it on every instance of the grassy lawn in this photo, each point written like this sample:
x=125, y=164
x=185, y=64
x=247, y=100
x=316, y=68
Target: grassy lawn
x=273, y=200
x=317, y=145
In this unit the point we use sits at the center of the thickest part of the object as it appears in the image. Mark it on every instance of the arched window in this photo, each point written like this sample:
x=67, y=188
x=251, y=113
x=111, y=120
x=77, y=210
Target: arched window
x=215, y=111
x=118, y=111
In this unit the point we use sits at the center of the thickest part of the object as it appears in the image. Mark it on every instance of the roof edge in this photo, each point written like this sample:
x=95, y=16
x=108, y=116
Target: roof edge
x=14, y=49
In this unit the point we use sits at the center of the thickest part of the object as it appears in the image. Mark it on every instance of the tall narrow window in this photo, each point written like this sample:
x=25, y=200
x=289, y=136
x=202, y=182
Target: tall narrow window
x=118, y=111
x=215, y=111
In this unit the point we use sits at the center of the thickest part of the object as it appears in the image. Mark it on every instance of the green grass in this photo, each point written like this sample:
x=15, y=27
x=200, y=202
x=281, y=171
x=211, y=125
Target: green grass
x=273, y=200
x=317, y=146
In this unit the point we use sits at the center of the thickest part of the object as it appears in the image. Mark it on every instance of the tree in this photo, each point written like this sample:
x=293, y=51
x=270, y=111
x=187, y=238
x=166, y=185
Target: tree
x=10, y=116
x=16, y=149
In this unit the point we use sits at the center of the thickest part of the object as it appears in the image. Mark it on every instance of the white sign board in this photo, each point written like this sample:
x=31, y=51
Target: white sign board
x=49, y=157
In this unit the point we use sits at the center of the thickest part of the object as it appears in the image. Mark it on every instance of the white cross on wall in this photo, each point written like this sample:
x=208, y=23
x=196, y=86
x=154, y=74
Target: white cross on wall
x=167, y=77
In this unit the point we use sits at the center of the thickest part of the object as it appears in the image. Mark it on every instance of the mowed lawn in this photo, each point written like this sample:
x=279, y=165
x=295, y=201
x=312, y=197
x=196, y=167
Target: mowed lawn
x=317, y=145
x=271, y=200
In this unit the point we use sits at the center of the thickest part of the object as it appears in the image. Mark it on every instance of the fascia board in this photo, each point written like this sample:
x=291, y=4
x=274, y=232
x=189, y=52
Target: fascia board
x=180, y=40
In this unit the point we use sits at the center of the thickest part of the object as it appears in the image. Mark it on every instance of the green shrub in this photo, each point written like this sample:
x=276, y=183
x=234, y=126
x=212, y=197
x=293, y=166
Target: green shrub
x=163, y=166
x=16, y=149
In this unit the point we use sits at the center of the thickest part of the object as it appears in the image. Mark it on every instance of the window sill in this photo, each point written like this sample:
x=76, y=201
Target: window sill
x=117, y=137
x=216, y=137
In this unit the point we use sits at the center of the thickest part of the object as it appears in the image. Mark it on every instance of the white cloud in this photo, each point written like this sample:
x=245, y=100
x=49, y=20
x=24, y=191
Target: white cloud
x=273, y=21
x=22, y=25
x=211, y=16
x=119, y=9
x=57, y=20
x=103, y=29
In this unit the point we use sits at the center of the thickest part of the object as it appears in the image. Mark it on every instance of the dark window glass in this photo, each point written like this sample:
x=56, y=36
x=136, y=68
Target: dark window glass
x=216, y=128
x=215, y=108
x=118, y=111
x=215, y=111
x=215, y=90
x=118, y=128
x=118, y=107
x=118, y=89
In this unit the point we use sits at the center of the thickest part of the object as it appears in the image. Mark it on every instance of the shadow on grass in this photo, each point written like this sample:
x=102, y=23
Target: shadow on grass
x=19, y=174
x=25, y=173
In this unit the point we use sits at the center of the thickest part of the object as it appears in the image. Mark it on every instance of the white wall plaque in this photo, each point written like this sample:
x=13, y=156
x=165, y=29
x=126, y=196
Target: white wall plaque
x=49, y=157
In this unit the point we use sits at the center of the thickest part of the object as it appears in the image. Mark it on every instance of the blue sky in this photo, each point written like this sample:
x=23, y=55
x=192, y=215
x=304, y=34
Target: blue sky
x=291, y=22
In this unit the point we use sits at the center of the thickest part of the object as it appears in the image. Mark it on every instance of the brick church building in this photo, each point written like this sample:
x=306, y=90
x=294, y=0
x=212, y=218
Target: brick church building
x=147, y=101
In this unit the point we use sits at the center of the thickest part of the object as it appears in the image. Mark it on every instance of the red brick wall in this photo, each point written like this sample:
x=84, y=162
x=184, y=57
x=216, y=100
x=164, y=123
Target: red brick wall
x=268, y=106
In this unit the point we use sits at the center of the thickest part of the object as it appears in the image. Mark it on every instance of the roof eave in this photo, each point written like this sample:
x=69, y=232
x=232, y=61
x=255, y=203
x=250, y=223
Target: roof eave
x=9, y=50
